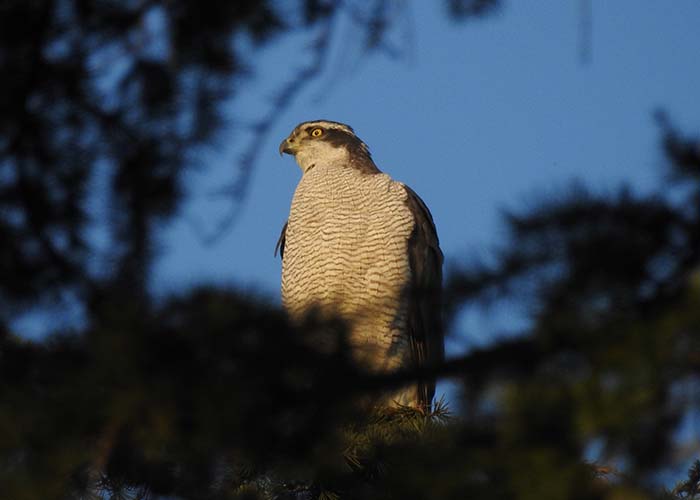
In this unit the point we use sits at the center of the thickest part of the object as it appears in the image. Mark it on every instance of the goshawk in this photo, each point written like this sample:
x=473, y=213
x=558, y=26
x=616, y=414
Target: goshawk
x=362, y=246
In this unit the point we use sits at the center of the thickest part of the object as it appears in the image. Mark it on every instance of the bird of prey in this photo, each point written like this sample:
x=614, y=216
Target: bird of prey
x=362, y=246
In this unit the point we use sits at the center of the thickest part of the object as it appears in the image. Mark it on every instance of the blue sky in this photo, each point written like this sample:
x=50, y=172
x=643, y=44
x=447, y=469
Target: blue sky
x=476, y=116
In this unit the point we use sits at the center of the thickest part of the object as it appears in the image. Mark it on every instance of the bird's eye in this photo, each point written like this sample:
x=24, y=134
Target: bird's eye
x=317, y=132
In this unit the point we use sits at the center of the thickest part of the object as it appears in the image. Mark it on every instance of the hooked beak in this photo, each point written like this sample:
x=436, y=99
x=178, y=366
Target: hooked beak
x=287, y=146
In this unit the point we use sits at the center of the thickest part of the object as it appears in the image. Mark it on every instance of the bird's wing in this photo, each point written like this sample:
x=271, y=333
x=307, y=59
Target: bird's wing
x=280, y=242
x=424, y=319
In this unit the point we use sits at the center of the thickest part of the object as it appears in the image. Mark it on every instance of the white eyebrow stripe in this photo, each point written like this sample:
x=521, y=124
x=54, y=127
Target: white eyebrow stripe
x=326, y=124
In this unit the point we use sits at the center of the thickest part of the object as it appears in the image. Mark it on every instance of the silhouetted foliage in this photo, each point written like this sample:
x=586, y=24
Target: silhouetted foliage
x=115, y=90
x=611, y=284
x=690, y=488
x=211, y=393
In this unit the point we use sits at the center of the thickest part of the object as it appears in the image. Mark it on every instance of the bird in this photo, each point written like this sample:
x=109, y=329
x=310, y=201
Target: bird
x=363, y=247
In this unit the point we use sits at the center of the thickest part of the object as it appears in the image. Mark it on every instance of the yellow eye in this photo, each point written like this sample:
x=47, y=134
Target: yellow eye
x=317, y=132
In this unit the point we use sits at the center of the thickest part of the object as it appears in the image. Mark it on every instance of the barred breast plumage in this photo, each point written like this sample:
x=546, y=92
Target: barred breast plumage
x=346, y=253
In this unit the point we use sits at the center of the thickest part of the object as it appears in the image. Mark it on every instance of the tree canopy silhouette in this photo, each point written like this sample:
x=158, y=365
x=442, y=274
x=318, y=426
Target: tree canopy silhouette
x=211, y=393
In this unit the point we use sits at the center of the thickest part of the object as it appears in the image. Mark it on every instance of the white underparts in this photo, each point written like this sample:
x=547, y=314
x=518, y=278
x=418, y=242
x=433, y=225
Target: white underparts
x=346, y=254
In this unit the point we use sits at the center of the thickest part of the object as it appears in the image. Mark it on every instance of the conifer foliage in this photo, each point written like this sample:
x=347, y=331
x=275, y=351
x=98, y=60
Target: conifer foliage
x=210, y=393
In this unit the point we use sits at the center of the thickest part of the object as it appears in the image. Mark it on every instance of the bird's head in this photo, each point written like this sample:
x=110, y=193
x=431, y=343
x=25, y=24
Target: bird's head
x=325, y=142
